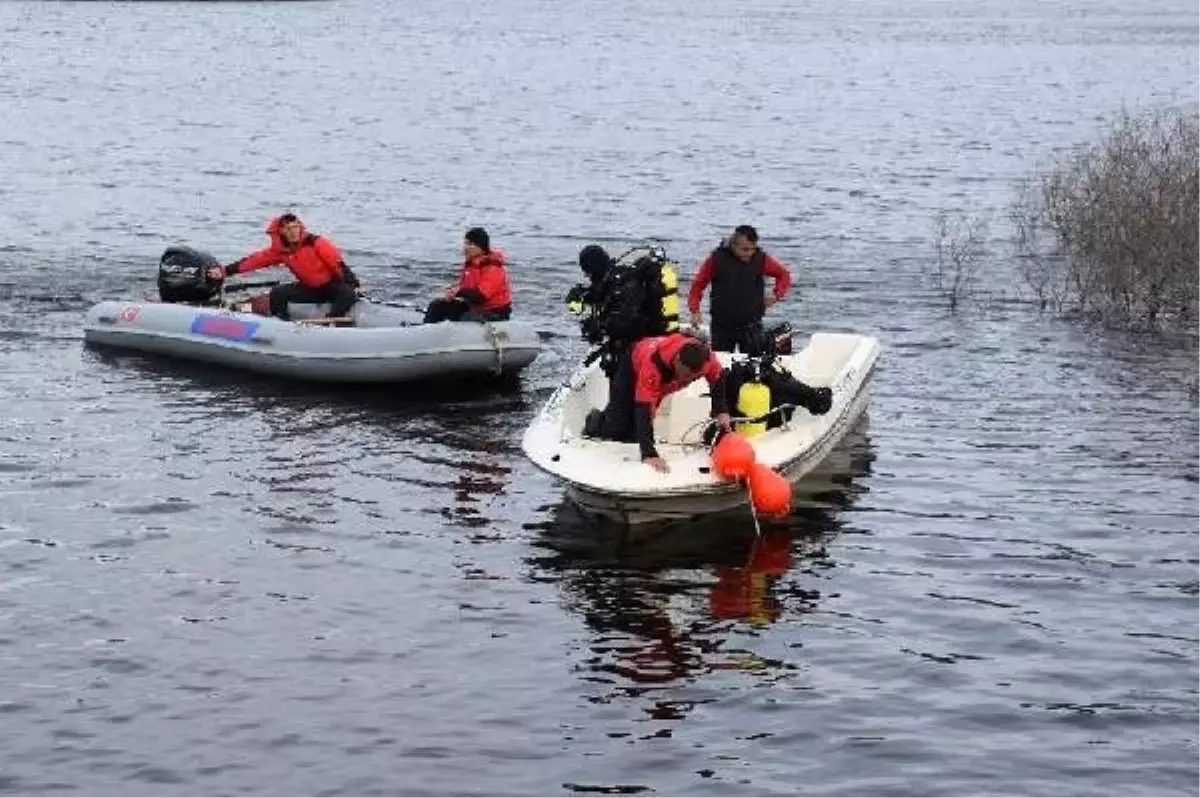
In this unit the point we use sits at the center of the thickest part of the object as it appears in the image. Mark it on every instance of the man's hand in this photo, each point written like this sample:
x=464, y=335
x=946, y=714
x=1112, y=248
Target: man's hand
x=697, y=319
x=723, y=420
x=658, y=464
x=216, y=273
x=771, y=300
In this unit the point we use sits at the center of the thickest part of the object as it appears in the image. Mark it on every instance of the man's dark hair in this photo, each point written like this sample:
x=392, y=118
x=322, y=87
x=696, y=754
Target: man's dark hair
x=747, y=232
x=693, y=355
x=288, y=217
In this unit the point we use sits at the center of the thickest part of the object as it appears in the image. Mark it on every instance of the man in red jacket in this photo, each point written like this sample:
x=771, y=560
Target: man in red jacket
x=482, y=292
x=737, y=270
x=654, y=369
x=321, y=273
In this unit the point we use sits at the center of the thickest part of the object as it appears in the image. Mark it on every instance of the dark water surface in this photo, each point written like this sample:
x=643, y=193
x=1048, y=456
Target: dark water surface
x=213, y=584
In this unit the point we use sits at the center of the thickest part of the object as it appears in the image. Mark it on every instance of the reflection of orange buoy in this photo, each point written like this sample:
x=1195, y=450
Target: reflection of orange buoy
x=771, y=554
x=770, y=493
x=732, y=457
x=741, y=595
x=746, y=593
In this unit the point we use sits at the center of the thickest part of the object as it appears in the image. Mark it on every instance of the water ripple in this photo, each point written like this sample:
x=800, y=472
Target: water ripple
x=217, y=583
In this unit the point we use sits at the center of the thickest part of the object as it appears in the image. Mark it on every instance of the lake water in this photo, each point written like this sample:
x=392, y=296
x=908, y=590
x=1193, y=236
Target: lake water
x=215, y=584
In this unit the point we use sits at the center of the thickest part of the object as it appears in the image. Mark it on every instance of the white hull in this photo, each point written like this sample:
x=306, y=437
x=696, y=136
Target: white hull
x=609, y=480
x=381, y=348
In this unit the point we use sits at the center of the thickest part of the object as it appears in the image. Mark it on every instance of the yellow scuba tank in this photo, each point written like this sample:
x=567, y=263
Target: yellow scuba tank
x=670, y=296
x=753, y=401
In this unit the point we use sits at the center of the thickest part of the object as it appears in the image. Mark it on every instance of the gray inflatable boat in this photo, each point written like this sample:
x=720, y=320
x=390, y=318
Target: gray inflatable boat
x=385, y=343
x=374, y=343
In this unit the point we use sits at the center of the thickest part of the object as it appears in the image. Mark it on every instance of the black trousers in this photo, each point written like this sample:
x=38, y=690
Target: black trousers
x=616, y=421
x=460, y=310
x=747, y=336
x=336, y=292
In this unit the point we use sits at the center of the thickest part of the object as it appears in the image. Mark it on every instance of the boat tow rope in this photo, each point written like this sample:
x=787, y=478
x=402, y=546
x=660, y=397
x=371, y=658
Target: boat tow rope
x=496, y=338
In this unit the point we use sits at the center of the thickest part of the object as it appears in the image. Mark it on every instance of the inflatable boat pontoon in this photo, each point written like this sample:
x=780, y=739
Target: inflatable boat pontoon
x=379, y=344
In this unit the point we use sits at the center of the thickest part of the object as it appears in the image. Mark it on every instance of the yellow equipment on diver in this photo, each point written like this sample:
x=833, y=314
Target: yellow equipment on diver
x=753, y=401
x=658, y=276
x=577, y=303
x=670, y=296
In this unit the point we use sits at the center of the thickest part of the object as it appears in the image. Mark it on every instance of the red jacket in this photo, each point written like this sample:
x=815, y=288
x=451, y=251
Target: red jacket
x=315, y=260
x=651, y=385
x=654, y=380
x=771, y=268
x=484, y=281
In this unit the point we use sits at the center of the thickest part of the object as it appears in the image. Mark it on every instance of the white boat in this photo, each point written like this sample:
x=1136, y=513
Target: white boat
x=385, y=344
x=609, y=479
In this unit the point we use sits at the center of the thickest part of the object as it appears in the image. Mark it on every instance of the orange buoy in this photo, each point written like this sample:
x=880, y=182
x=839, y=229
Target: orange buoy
x=770, y=493
x=732, y=457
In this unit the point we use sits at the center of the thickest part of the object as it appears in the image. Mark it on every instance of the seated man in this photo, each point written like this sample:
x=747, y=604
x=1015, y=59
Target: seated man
x=653, y=369
x=321, y=273
x=482, y=292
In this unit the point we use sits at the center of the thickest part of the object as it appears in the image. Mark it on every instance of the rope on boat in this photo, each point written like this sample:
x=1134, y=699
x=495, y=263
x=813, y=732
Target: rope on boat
x=705, y=423
x=496, y=338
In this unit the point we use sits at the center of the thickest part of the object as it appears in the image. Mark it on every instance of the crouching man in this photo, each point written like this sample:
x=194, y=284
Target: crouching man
x=650, y=371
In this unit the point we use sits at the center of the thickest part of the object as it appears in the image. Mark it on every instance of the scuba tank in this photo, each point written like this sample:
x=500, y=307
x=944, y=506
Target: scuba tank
x=753, y=401
x=669, y=285
x=657, y=288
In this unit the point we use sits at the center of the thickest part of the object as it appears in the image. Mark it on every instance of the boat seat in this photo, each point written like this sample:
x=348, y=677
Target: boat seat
x=679, y=416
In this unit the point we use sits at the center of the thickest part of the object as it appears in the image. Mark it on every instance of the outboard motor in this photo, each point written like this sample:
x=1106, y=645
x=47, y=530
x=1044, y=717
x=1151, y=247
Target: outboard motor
x=779, y=339
x=183, y=276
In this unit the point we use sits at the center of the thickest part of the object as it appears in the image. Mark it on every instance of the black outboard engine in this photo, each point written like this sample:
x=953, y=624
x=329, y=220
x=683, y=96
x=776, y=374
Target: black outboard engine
x=183, y=276
x=779, y=340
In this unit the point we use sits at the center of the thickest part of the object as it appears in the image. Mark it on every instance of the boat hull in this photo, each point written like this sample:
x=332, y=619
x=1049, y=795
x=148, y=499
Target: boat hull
x=352, y=355
x=640, y=510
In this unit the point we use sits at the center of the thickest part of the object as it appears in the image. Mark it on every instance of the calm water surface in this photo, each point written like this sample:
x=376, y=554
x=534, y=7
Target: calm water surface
x=214, y=584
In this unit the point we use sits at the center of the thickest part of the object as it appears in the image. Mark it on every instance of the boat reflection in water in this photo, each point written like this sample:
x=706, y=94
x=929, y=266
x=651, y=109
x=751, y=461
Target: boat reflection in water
x=664, y=604
x=444, y=445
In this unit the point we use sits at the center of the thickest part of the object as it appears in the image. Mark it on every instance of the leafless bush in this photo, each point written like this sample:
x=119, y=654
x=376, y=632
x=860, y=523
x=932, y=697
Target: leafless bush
x=960, y=242
x=1110, y=231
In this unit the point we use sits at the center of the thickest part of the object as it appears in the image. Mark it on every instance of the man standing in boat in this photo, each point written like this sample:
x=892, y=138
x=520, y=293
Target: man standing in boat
x=737, y=270
x=655, y=368
x=321, y=273
x=482, y=292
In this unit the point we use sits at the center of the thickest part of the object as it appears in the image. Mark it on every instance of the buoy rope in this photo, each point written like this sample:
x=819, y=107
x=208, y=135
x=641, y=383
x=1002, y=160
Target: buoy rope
x=707, y=422
x=753, y=512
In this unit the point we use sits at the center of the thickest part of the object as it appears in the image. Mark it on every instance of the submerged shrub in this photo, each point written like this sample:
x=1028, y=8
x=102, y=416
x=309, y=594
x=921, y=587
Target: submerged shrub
x=960, y=246
x=1110, y=231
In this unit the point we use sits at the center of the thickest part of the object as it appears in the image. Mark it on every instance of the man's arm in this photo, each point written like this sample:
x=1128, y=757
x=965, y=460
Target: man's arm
x=779, y=273
x=699, y=284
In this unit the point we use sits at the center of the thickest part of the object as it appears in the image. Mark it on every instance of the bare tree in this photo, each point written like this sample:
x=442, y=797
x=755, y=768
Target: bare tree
x=1110, y=231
